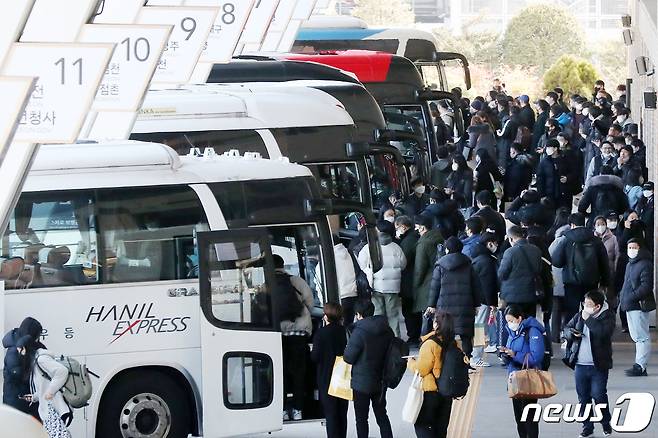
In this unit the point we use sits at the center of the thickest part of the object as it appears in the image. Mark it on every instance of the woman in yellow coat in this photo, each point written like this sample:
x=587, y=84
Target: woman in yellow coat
x=434, y=415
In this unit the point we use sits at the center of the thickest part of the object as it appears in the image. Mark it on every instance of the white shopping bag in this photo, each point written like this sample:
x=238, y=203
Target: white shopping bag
x=414, y=400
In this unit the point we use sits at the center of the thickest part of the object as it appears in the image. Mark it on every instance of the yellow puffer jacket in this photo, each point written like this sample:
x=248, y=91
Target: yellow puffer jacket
x=429, y=363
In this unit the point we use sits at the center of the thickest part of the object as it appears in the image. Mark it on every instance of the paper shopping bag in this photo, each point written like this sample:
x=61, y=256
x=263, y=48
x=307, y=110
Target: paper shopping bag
x=478, y=336
x=341, y=377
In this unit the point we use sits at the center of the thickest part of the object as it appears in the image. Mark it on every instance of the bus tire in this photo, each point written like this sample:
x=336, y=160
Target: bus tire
x=144, y=404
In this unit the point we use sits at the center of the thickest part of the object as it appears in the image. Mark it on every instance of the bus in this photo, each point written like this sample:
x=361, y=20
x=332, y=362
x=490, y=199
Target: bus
x=345, y=33
x=155, y=269
x=397, y=86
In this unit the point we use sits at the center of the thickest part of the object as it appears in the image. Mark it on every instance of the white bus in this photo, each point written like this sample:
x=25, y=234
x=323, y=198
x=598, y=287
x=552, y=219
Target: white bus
x=105, y=238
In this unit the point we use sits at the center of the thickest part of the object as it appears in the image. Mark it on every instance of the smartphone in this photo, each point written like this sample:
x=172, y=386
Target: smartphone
x=410, y=356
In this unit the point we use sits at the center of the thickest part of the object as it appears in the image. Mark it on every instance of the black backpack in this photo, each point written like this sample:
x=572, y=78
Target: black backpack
x=394, y=363
x=289, y=300
x=363, y=289
x=453, y=381
x=585, y=263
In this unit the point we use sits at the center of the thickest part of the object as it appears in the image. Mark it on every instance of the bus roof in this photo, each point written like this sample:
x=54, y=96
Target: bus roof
x=308, y=32
x=217, y=107
x=133, y=163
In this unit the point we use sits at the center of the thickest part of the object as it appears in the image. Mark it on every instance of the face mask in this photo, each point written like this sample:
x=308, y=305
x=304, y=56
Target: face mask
x=589, y=310
x=514, y=326
x=600, y=229
x=632, y=253
x=550, y=151
x=620, y=119
x=647, y=193
x=455, y=167
x=612, y=225
x=606, y=155
x=420, y=190
x=493, y=248
x=390, y=219
x=399, y=232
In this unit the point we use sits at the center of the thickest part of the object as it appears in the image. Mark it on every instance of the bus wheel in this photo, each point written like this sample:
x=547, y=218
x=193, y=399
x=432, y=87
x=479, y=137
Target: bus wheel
x=144, y=405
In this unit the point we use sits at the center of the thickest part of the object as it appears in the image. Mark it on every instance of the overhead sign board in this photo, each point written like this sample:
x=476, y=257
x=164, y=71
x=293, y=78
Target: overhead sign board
x=257, y=25
x=118, y=12
x=57, y=20
x=279, y=23
x=15, y=92
x=69, y=75
x=13, y=16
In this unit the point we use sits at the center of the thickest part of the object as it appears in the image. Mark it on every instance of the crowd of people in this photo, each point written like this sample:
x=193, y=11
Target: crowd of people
x=536, y=228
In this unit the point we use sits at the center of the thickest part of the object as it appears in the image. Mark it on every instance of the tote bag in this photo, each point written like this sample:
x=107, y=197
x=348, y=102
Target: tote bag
x=530, y=383
x=414, y=400
x=340, y=385
x=54, y=425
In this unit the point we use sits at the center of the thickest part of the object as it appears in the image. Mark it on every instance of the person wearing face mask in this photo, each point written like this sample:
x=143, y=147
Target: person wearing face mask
x=459, y=185
x=539, y=127
x=418, y=200
x=631, y=227
x=575, y=157
x=518, y=173
x=637, y=300
x=389, y=216
x=552, y=129
x=604, y=193
x=525, y=341
x=626, y=164
x=589, y=339
x=328, y=343
x=645, y=212
x=624, y=117
x=493, y=221
x=611, y=245
x=426, y=255
x=485, y=264
x=486, y=172
x=605, y=157
x=507, y=134
x=640, y=155
x=407, y=237
x=555, y=176
x=481, y=137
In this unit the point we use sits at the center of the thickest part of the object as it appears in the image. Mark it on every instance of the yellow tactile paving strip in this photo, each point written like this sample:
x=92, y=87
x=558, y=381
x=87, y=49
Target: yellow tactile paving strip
x=463, y=411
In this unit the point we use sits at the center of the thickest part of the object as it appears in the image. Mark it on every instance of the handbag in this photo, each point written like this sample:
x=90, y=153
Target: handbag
x=414, y=401
x=340, y=385
x=54, y=424
x=530, y=383
x=497, y=187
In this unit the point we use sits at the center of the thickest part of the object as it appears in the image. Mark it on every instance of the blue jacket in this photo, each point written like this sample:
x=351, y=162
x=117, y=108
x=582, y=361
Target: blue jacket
x=470, y=243
x=532, y=344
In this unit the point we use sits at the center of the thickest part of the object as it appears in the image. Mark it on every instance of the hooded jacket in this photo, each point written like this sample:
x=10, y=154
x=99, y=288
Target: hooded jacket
x=604, y=193
x=455, y=288
x=366, y=351
x=486, y=265
x=528, y=340
x=426, y=254
x=429, y=363
x=440, y=171
x=387, y=280
x=638, y=282
x=517, y=272
x=15, y=381
x=563, y=256
x=598, y=330
x=446, y=216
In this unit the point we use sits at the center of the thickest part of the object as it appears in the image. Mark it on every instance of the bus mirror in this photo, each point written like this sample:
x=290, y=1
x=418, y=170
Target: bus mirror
x=374, y=248
x=358, y=149
x=452, y=56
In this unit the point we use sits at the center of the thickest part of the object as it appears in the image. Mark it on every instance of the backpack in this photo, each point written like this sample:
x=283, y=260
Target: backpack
x=363, y=288
x=77, y=389
x=394, y=363
x=453, y=381
x=605, y=200
x=289, y=301
x=585, y=263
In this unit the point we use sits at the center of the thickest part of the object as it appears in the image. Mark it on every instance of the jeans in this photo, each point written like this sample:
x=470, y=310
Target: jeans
x=638, y=328
x=294, y=370
x=434, y=416
x=335, y=412
x=592, y=384
x=390, y=306
x=362, y=403
x=528, y=428
x=348, y=309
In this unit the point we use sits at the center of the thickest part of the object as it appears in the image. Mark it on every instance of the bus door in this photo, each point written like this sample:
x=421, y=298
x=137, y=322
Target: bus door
x=435, y=71
x=407, y=131
x=242, y=370
x=388, y=173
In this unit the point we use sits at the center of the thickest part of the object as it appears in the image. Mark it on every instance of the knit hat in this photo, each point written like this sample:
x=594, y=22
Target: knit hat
x=454, y=245
x=477, y=105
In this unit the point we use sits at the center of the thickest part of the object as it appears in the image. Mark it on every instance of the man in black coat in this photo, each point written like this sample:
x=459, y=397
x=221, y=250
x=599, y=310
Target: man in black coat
x=367, y=365
x=528, y=209
x=556, y=176
x=645, y=211
x=407, y=238
x=584, y=260
x=493, y=221
x=604, y=193
x=518, y=173
x=519, y=268
x=591, y=330
x=485, y=265
x=527, y=115
x=445, y=214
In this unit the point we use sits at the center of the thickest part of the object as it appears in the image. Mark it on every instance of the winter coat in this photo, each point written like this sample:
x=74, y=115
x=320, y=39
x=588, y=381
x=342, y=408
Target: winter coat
x=604, y=193
x=548, y=177
x=485, y=265
x=469, y=245
x=303, y=323
x=563, y=255
x=58, y=374
x=519, y=213
x=646, y=211
x=482, y=137
x=387, y=280
x=484, y=172
x=574, y=157
x=408, y=242
x=599, y=329
x=558, y=284
x=518, y=175
x=414, y=204
x=429, y=363
x=528, y=340
x=539, y=128
x=527, y=117
x=612, y=250
x=344, y=272
x=638, y=282
x=446, y=216
x=455, y=289
x=461, y=182
x=366, y=352
x=15, y=381
x=426, y=254
x=517, y=272
x=329, y=341
x=597, y=163
x=493, y=221
x=506, y=139
x=440, y=171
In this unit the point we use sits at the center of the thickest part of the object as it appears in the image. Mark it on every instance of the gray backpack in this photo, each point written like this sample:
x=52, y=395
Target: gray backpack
x=77, y=389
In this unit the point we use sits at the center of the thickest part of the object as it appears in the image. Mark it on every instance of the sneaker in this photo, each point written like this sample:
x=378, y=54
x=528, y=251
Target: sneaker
x=491, y=349
x=624, y=330
x=585, y=434
x=479, y=363
x=564, y=345
x=636, y=371
x=286, y=416
x=607, y=430
x=296, y=415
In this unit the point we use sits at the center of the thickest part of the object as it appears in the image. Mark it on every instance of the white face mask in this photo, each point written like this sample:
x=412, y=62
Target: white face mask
x=621, y=119
x=632, y=253
x=399, y=232
x=589, y=310
x=492, y=248
x=420, y=190
x=455, y=167
x=600, y=229
x=514, y=326
x=647, y=193
x=612, y=225
x=390, y=219
x=550, y=151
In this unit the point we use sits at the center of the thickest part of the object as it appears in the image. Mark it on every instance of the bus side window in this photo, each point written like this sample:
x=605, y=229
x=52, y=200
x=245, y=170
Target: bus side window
x=54, y=235
x=148, y=233
x=246, y=140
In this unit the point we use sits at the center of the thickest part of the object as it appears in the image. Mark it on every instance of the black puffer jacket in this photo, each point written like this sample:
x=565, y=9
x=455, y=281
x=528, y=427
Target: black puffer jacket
x=531, y=212
x=455, y=288
x=563, y=255
x=493, y=220
x=604, y=193
x=486, y=266
x=518, y=175
x=601, y=327
x=15, y=380
x=368, y=363
x=520, y=265
x=447, y=217
x=638, y=282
